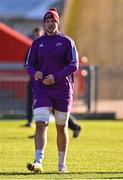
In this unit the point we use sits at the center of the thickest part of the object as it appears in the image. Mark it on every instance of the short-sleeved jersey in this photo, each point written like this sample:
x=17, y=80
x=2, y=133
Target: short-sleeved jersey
x=56, y=55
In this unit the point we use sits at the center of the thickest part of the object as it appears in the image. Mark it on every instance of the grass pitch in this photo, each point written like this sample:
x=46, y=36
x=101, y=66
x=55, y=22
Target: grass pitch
x=97, y=153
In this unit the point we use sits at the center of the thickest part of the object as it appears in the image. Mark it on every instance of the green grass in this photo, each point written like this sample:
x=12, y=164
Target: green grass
x=96, y=153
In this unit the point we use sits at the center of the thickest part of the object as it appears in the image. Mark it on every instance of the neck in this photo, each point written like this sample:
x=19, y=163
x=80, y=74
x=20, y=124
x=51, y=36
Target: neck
x=52, y=34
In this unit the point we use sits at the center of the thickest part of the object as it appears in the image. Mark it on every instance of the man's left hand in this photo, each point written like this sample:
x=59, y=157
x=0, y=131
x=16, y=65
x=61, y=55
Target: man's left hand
x=48, y=80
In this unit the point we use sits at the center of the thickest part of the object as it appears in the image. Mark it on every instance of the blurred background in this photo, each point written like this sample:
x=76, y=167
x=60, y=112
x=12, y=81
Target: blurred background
x=95, y=25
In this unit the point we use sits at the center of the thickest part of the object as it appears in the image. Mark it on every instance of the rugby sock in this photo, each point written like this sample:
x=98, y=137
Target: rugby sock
x=62, y=158
x=39, y=154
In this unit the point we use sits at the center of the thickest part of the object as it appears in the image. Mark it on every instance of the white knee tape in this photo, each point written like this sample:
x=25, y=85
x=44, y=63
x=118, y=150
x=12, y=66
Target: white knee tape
x=61, y=118
x=41, y=114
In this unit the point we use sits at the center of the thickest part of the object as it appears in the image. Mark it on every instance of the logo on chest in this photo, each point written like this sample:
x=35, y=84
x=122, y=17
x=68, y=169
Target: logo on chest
x=58, y=44
x=41, y=45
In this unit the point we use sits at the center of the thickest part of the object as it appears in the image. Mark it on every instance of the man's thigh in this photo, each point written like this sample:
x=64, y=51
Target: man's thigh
x=63, y=104
x=41, y=100
x=42, y=114
x=42, y=106
x=61, y=118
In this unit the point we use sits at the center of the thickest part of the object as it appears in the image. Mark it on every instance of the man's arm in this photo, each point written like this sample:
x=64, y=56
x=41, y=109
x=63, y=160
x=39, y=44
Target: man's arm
x=73, y=63
x=32, y=61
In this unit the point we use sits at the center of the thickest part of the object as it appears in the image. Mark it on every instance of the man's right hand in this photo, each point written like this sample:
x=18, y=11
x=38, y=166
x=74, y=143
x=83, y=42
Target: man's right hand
x=38, y=75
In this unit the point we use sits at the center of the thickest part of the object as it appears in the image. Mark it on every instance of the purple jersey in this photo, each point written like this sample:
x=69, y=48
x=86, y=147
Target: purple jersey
x=56, y=55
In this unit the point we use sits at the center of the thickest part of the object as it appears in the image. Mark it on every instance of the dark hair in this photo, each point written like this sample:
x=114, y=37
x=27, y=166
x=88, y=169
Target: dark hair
x=37, y=29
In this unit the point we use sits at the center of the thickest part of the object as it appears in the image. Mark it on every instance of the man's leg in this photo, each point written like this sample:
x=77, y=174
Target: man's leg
x=40, y=140
x=62, y=143
x=62, y=138
x=29, y=104
x=72, y=124
x=41, y=116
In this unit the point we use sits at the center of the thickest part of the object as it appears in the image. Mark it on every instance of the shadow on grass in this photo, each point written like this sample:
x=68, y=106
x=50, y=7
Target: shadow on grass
x=57, y=173
x=16, y=173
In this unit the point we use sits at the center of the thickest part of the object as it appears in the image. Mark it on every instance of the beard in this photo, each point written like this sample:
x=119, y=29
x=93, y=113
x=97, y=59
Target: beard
x=51, y=30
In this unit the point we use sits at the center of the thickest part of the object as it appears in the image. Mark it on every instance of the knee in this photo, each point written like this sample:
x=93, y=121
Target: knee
x=41, y=125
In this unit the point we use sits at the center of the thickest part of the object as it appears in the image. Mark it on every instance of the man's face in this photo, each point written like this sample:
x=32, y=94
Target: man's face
x=51, y=26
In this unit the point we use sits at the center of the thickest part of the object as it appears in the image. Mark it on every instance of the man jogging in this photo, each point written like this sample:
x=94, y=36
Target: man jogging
x=51, y=62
